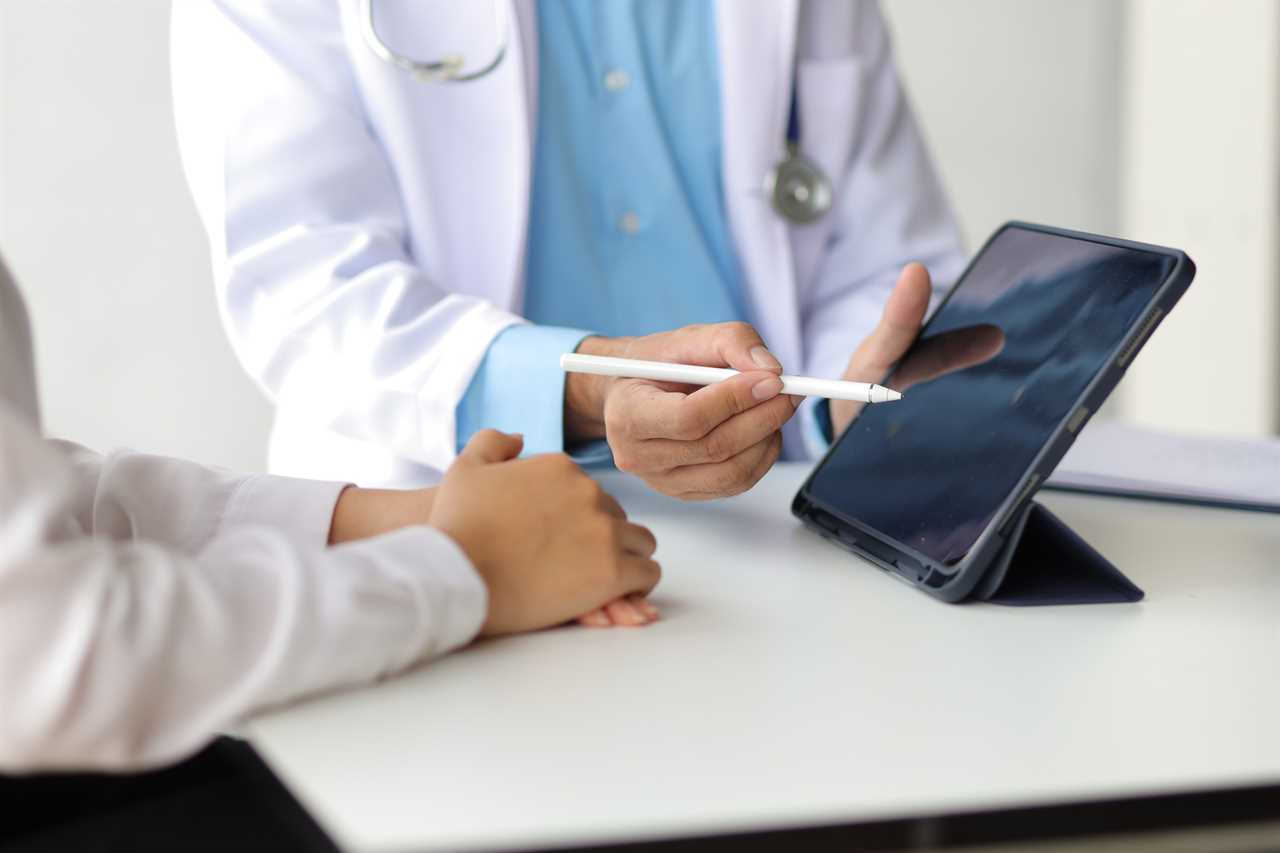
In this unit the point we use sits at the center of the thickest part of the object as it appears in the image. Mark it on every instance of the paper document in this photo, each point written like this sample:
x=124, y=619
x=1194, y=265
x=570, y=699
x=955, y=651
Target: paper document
x=1114, y=457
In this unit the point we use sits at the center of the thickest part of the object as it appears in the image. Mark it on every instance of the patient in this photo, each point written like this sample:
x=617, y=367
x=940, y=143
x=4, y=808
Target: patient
x=146, y=604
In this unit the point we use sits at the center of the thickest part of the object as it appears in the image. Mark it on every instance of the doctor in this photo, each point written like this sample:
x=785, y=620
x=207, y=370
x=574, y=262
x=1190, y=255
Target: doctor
x=400, y=262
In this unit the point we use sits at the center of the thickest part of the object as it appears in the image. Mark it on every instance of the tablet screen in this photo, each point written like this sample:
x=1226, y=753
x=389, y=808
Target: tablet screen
x=931, y=470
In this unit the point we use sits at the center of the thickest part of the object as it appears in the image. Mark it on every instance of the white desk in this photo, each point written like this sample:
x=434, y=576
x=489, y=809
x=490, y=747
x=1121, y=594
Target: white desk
x=789, y=683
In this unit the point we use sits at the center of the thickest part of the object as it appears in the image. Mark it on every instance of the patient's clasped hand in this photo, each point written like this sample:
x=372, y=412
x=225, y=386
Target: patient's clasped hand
x=549, y=542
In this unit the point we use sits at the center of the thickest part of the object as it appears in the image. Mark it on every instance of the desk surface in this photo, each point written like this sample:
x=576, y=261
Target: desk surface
x=790, y=683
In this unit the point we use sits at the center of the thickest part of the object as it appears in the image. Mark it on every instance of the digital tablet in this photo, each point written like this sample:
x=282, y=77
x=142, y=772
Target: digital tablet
x=929, y=486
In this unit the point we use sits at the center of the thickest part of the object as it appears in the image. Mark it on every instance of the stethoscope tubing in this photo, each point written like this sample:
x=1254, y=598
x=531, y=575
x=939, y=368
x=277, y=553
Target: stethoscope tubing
x=447, y=69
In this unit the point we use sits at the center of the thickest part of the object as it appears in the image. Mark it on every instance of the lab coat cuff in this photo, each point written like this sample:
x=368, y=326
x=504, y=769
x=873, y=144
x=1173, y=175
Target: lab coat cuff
x=519, y=387
x=301, y=510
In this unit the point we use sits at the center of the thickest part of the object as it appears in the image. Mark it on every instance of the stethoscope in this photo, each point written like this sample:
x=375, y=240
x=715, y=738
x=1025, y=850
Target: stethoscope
x=447, y=69
x=797, y=187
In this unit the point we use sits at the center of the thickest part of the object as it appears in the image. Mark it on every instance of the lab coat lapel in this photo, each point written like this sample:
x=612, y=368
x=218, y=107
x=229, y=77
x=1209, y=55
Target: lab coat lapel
x=501, y=259
x=756, y=43
x=525, y=14
x=524, y=47
x=462, y=152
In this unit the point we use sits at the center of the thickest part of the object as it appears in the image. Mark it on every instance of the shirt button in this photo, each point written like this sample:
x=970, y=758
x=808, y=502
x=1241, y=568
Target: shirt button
x=617, y=80
x=629, y=222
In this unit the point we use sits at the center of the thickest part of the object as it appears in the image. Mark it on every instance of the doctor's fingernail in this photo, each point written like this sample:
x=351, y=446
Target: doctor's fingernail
x=767, y=389
x=765, y=359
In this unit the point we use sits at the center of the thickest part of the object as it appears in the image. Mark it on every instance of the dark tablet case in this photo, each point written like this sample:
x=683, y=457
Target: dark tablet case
x=1046, y=562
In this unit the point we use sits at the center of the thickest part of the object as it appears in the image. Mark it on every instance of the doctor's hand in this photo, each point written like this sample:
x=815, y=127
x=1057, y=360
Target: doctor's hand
x=692, y=443
x=897, y=331
x=549, y=542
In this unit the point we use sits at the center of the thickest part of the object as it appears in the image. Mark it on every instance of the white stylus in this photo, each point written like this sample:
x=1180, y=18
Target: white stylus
x=689, y=374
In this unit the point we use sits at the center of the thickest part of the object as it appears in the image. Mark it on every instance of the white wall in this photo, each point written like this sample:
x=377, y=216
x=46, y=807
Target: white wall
x=1202, y=170
x=1028, y=105
x=96, y=222
x=1020, y=105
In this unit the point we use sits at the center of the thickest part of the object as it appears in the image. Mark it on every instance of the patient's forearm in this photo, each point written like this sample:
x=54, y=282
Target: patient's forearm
x=363, y=513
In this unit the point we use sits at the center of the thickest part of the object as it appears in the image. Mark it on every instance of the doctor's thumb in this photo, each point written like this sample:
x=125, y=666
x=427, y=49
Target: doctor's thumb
x=490, y=446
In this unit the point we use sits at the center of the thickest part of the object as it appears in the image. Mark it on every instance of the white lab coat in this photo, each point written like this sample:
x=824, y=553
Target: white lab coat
x=148, y=603
x=368, y=229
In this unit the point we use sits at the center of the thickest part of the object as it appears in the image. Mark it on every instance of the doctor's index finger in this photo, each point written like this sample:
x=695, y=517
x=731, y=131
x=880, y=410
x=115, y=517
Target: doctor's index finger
x=690, y=417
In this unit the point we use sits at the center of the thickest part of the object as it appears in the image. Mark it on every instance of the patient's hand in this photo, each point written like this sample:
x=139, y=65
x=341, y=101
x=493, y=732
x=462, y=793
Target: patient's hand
x=530, y=495
x=549, y=542
x=897, y=331
x=629, y=611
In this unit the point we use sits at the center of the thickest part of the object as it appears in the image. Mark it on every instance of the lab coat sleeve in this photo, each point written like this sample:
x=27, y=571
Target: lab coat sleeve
x=148, y=613
x=889, y=209
x=320, y=298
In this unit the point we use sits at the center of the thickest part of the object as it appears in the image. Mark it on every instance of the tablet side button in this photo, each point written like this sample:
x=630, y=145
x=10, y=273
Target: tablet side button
x=1026, y=489
x=1078, y=417
x=1140, y=338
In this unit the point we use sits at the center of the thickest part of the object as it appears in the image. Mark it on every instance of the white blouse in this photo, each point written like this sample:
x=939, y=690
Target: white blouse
x=147, y=603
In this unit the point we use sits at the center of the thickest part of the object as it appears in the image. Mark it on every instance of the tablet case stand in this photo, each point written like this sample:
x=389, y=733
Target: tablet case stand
x=1045, y=562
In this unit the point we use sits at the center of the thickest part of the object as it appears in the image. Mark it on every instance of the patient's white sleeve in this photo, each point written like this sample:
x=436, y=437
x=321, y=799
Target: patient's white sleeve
x=147, y=604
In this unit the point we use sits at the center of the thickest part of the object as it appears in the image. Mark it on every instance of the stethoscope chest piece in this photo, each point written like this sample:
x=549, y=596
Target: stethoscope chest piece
x=797, y=188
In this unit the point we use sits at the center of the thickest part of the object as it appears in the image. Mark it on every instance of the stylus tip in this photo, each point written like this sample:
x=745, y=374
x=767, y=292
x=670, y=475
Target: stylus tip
x=881, y=394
